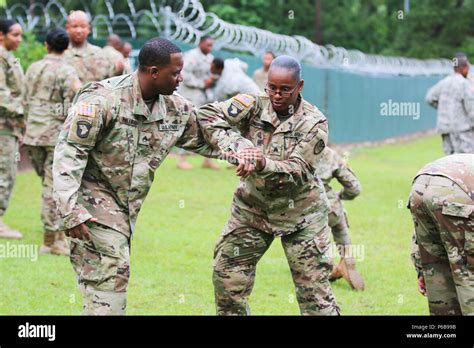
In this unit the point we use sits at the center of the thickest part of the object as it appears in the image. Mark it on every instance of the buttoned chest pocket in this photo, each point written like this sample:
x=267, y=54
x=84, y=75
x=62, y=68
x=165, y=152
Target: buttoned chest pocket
x=290, y=141
x=117, y=145
x=157, y=140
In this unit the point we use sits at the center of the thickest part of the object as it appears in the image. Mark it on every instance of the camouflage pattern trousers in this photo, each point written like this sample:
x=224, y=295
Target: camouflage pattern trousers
x=307, y=251
x=461, y=142
x=339, y=227
x=102, y=266
x=443, y=215
x=42, y=159
x=9, y=157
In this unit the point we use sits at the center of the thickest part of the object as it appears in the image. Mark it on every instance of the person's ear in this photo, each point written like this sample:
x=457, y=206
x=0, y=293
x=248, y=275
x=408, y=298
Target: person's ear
x=2, y=36
x=154, y=72
x=301, y=86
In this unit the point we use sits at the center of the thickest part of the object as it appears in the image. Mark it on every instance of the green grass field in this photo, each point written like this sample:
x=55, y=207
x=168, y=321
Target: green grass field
x=171, y=260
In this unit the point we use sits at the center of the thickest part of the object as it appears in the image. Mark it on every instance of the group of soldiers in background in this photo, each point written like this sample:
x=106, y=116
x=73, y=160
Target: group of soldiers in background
x=290, y=196
x=35, y=105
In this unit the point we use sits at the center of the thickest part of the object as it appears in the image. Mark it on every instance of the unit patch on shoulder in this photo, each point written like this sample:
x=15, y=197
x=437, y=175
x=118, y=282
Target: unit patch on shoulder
x=83, y=129
x=234, y=109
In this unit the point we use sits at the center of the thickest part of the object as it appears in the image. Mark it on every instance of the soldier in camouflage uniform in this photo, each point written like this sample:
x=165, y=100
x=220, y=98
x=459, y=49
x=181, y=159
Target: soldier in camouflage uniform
x=281, y=198
x=260, y=76
x=332, y=166
x=11, y=116
x=197, y=80
x=116, y=135
x=88, y=60
x=233, y=80
x=454, y=98
x=442, y=207
x=126, y=50
x=112, y=51
x=52, y=84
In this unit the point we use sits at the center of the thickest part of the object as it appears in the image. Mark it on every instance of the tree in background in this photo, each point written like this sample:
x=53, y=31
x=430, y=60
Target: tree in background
x=431, y=29
x=30, y=50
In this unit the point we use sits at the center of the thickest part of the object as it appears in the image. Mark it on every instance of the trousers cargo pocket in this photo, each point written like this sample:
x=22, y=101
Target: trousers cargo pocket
x=322, y=241
x=469, y=249
x=457, y=209
x=106, y=259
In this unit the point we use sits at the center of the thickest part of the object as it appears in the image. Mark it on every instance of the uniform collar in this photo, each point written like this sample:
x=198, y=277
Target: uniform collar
x=286, y=126
x=53, y=57
x=140, y=108
x=82, y=51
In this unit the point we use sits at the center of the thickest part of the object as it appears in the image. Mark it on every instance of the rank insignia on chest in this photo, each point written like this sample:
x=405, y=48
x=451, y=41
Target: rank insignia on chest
x=87, y=110
x=145, y=138
x=83, y=129
x=276, y=149
x=167, y=127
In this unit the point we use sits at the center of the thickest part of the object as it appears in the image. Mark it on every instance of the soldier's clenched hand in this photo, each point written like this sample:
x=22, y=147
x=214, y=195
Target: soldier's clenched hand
x=80, y=231
x=252, y=155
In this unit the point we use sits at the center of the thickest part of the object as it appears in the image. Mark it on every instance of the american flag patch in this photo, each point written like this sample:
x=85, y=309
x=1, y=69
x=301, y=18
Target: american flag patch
x=87, y=110
x=244, y=99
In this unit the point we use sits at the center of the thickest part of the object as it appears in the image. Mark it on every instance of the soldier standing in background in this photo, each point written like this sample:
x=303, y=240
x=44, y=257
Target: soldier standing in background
x=454, y=99
x=52, y=84
x=442, y=207
x=197, y=79
x=113, y=52
x=332, y=166
x=87, y=59
x=260, y=76
x=126, y=50
x=11, y=116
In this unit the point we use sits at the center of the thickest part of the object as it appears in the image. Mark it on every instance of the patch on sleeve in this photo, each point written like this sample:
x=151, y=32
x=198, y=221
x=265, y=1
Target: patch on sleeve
x=83, y=129
x=319, y=147
x=234, y=109
x=87, y=110
x=239, y=103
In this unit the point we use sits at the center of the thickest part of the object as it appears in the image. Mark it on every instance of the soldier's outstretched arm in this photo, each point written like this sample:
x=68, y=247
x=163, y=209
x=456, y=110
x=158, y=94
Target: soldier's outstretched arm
x=432, y=97
x=193, y=139
x=351, y=186
x=222, y=123
x=468, y=101
x=77, y=138
x=9, y=106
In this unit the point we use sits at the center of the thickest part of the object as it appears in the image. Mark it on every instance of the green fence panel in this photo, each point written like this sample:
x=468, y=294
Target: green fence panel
x=359, y=107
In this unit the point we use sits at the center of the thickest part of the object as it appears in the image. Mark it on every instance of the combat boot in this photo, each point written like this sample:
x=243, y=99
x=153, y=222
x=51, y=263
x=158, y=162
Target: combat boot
x=8, y=233
x=350, y=274
x=183, y=164
x=61, y=244
x=50, y=247
x=209, y=164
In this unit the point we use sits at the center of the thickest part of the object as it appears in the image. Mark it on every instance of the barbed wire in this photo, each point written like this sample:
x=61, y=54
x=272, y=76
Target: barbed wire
x=186, y=21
